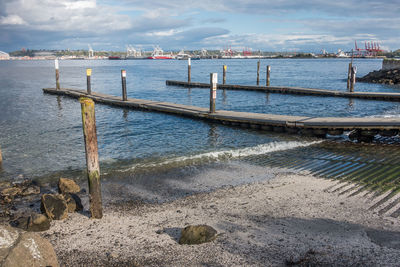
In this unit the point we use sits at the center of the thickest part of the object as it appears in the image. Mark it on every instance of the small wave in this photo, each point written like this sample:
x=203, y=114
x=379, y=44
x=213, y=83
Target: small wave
x=223, y=155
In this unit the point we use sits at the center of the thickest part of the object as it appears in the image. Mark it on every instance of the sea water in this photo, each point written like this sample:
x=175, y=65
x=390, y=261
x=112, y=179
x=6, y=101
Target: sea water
x=41, y=135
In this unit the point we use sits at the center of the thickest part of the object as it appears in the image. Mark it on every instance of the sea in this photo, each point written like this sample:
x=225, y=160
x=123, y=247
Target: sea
x=158, y=156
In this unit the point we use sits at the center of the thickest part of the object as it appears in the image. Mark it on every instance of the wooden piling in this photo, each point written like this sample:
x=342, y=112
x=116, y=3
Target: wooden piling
x=88, y=84
x=258, y=72
x=1, y=157
x=92, y=156
x=224, y=74
x=353, y=78
x=57, y=74
x=268, y=75
x=189, y=70
x=213, y=91
x=349, y=75
x=123, y=80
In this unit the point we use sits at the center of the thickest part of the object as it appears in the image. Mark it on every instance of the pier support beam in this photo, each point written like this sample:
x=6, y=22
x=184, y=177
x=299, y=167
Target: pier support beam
x=189, y=70
x=88, y=83
x=268, y=75
x=123, y=80
x=353, y=78
x=224, y=74
x=349, y=76
x=258, y=72
x=213, y=91
x=57, y=74
x=92, y=156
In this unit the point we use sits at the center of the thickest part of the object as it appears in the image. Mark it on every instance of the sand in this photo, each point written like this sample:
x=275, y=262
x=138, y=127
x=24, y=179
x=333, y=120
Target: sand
x=291, y=219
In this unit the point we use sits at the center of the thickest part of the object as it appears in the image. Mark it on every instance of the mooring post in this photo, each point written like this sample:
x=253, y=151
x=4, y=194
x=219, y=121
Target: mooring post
x=92, y=156
x=349, y=75
x=89, y=86
x=123, y=79
x=57, y=74
x=258, y=72
x=268, y=74
x=353, y=78
x=224, y=74
x=213, y=91
x=189, y=70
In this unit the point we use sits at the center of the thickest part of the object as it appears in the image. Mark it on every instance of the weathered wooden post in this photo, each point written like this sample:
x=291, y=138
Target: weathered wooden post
x=1, y=157
x=353, y=78
x=349, y=75
x=92, y=156
x=258, y=72
x=224, y=74
x=89, y=86
x=123, y=79
x=213, y=91
x=189, y=70
x=268, y=74
x=57, y=74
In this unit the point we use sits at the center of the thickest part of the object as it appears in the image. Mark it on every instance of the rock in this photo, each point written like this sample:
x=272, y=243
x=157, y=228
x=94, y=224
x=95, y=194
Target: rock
x=38, y=222
x=54, y=206
x=197, y=234
x=32, y=223
x=31, y=190
x=66, y=185
x=25, y=249
x=11, y=191
x=20, y=188
x=354, y=135
x=390, y=77
x=74, y=203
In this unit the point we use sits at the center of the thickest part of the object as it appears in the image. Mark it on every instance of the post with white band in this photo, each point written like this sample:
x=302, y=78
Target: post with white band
x=123, y=78
x=189, y=70
x=213, y=91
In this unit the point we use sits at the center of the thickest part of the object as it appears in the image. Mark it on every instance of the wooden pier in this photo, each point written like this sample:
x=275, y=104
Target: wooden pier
x=364, y=129
x=293, y=90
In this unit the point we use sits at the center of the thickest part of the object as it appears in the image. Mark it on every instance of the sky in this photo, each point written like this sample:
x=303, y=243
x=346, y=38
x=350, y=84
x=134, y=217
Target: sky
x=278, y=25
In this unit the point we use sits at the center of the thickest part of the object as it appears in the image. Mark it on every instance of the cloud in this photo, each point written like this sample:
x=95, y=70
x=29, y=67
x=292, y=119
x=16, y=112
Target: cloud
x=262, y=24
x=12, y=20
x=66, y=16
x=213, y=20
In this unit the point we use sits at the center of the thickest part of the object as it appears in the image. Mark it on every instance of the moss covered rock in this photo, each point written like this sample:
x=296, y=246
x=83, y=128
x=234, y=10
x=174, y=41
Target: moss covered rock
x=197, y=234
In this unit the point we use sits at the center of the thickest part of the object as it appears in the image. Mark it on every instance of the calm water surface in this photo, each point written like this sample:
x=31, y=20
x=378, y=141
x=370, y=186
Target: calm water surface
x=41, y=135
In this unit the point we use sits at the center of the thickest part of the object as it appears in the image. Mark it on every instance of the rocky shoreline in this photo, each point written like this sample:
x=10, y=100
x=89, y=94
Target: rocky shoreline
x=289, y=220
x=390, y=77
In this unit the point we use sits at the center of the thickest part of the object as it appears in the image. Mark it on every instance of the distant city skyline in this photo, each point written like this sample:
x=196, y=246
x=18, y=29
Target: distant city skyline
x=285, y=25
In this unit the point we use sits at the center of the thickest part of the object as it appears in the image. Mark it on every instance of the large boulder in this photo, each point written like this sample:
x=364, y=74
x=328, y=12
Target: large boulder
x=197, y=234
x=66, y=185
x=54, y=206
x=19, y=248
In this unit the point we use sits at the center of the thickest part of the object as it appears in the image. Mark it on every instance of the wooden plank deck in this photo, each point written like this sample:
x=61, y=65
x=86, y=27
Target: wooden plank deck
x=292, y=124
x=293, y=90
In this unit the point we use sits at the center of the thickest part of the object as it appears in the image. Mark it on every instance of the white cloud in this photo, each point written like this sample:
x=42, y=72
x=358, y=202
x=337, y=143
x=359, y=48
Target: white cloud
x=80, y=4
x=12, y=20
x=67, y=16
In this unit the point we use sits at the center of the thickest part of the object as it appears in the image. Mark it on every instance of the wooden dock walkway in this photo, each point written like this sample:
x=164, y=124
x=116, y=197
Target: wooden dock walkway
x=293, y=90
x=366, y=128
